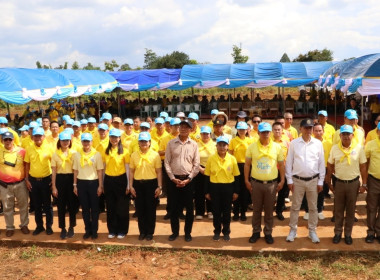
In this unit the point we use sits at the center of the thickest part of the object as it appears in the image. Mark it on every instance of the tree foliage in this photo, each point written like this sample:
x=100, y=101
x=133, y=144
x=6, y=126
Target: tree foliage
x=42, y=66
x=174, y=60
x=89, y=66
x=237, y=55
x=285, y=58
x=125, y=67
x=75, y=66
x=110, y=66
x=316, y=55
x=150, y=58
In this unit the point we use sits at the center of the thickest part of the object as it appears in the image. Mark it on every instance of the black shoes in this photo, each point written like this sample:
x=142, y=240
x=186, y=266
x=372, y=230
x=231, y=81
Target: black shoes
x=370, y=238
x=337, y=238
x=173, y=237
x=226, y=237
x=269, y=239
x=235, y=218
x=348, y=240
x=94, y=236
x=149, y=237
x=216, y=237
x=254, y=237
x=38, y=230
x=70, y=233
x=243, y=218
x=63, y=234
x=167, y=216
x=188, y=237
x=280, y=216
x=87, y=235
x=142, y=236
x=49, y=231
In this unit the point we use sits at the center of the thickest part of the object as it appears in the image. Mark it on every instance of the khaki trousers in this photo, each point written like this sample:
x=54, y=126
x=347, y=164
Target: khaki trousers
x=373, y=206
x=300, y=188
x=345, y=201
x=263, y=197
x=8, y=195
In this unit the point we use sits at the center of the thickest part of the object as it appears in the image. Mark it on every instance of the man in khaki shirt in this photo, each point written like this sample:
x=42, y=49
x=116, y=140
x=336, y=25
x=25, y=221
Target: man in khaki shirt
x=182, y=165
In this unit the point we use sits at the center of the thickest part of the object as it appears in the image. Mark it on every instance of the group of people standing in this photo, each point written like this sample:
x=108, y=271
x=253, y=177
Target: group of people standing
x=216, y=168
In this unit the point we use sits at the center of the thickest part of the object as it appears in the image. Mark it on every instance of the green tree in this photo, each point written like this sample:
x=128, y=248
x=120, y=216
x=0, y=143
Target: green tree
x=38, y=64
x=285, y=58
x=175, y=60
x=150, y=58
x=64, y=66
x=316, y=55
x=75, y=65
x=89, y=66
x=237, y=55
x=125, y=67
x=110, y=66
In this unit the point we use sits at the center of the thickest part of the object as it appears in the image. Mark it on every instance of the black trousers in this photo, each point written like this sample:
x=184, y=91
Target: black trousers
x=89, y=201
x=281, y=195
x=66, y=200
x=181, y=198
x=117, y=203
x=41, y=193
x=240, y=205
x=146, y=205
x=201, y=203
x=221, y=197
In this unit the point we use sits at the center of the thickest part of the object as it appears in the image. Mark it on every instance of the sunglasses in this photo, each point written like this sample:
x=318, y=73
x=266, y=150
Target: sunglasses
x=7, y=139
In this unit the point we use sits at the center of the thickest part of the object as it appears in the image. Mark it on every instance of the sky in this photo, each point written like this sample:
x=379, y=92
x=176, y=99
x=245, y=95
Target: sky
x=95, y=31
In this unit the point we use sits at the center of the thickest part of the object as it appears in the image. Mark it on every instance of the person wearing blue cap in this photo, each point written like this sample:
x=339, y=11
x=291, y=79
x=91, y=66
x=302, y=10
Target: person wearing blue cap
x=38, y=179
x=238, y=147
x=195, y=133
x=24, y=133
x=351, y=118
x=159, y=132
x=167, y=124
x=372, y=134
x=65, y=119
x=92, y=127
x=164, y=115
x=347, y=160
x=116, y=191
x=4, y=123
x=107, y=119
x=222, y=187
x=134, y=146
x=206, y=148
x=83, y=125
x=264, y=161
x=100, y=143
x=27, y=140
x=88, y=184
x=212, y=113
x=328, y=129
x=62, y=184
x=76, y=137
x=128, y=136
x=145, y=185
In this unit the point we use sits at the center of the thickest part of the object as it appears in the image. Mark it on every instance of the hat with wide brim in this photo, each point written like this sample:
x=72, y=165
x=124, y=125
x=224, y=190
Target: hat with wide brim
x=220, y=114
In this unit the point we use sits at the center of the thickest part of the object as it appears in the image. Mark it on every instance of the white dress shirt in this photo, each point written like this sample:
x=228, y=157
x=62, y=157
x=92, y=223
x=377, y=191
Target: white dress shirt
x=305, y=159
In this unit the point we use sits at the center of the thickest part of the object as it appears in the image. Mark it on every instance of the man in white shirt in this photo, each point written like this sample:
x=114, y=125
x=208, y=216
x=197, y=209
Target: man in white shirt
x=305, y=172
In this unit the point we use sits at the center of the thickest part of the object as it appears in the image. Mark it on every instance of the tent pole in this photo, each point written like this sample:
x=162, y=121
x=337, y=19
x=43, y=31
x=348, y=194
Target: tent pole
x=75, y=108
x=9, y=111
x=283, y=100
x=362, y=117
x=335, y=110
x=139, y=96
x=229, y=105
x=118, y=102
x=251, y=94
x=99, y=109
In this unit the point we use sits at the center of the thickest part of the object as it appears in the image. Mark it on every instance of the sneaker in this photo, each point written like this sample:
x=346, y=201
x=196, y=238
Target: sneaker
x=111, y=236
x=287, y=200
x=292, y=235
x=321, y=216
x=120, y=236
x=210, y=215
x=63, y=234
x=226, y=237
x=306, y=216
x=314, y=237
x=70, y=233
x=216, y=237
x=198, y=217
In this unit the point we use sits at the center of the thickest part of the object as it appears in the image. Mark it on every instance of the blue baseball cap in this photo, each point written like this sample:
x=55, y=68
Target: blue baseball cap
x=175, y=121
x=145, y=124
x=64, y=135
x=159, y=121
x=193, y=116
x=128, y=121
x=24, y=128
x=214, y=111
x=264, y=126
x=168, y=119
x=3, y=130
x=39, y=121
x=65, y=118
x=164, y=114
x=91, y=120
x=323, y=113
x=86, y=137
x=378, y=126
x=223, y=139
x=107, y=116
x=351, y=114
x=76, y=123
x=242, y=125
x=33, y=125
x=115, y=132
x=38, y=131
x=206, y=129
x=3, y=120
x=84, y=121
x=144, y=136
x=70, y=122
x=69, y=130
x=103, y=126
x=346, y=128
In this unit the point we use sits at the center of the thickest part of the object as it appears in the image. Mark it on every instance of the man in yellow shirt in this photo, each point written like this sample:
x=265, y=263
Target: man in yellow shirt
x=350, y=118
x=211, y=122
x=76, y=143
x=195, y=133
x=260, y=174
x=256, y=120
x=348, y=161
x=167, y=124
x=372, y=135
x=4, y=123
x=373, y=190
x=53, y=114
x=328, y=129
x=128, y=136
x=46, y=125
x=136, y=124
x=26, y=141
x=92, y=127
x=38, y=178
x=100, y=143
x=84, y=125
x=288, y=125
x=52, y=139
x=159, y=133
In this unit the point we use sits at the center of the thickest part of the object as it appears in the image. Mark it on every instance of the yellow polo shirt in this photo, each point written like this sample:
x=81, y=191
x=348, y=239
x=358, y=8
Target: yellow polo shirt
x=328, y=132
x=126, y=139
x=115, y=163
x=239, y=147
x=293, y=131
x=57, y=160
x=53, y=115
x=134, y=146
x=15, y=136
x=158, y=138
x=372, y=135
x=327, y=145
x=222, y=170
x=52, y=141
x=96, y=143
x=264, y=168
x=343, y=170
x=145, y=168
x=372, y=152
x=196, y=135
x=164, y=143
x=284, y=145
x=88, y=172
x=39, y=159
x=205, y=151
x=25, y=142
x=11, y=174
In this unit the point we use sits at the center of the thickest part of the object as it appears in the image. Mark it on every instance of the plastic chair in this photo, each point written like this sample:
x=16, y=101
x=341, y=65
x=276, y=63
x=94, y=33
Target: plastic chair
x=197, y=109
x=169, y=109
x=145, y=110
x=155, y=110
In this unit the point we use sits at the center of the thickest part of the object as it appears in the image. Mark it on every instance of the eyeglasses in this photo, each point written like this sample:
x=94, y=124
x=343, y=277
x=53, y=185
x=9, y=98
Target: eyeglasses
x=288, y=118
x=256, y=121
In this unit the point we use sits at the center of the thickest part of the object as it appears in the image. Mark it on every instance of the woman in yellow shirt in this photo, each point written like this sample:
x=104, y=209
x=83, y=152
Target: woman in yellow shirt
x=206, y=148
x=237, y=148
x=62, y=184
x=88, y=184
x=222, y=186
x=116, y=160
x=145, y=183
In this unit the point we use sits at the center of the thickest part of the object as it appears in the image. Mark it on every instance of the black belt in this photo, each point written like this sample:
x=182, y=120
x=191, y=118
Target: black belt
x=181, y=177
x=347, y=181
x=264, y=182
x=40, y=179
x=373, y=177
x=306, y=178
x=15, y=183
